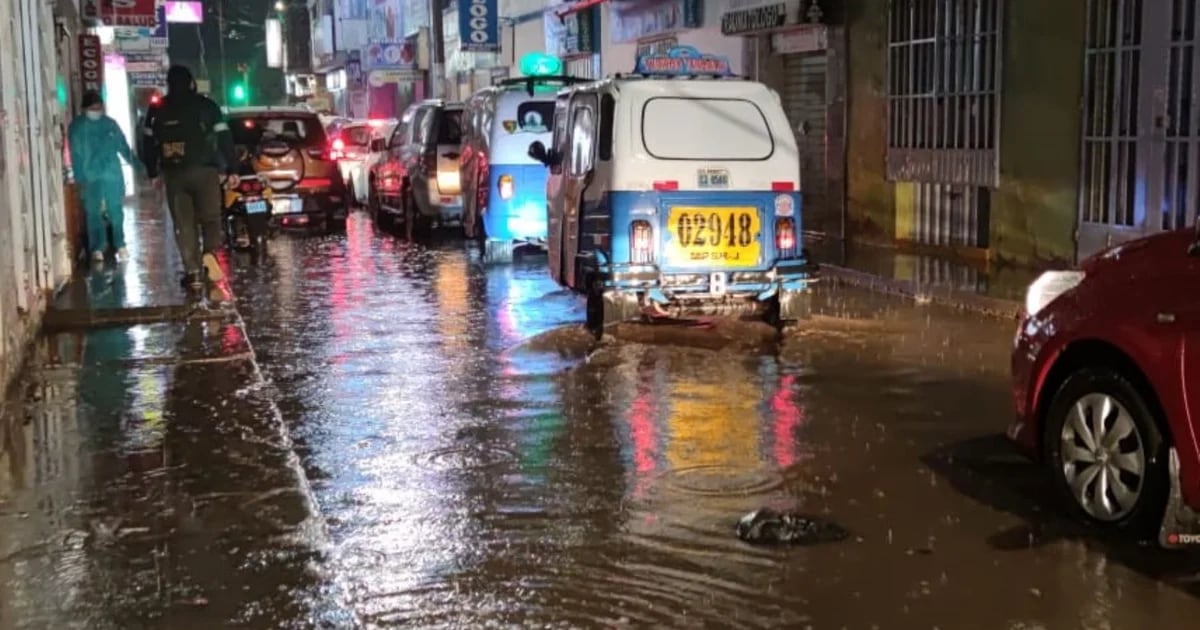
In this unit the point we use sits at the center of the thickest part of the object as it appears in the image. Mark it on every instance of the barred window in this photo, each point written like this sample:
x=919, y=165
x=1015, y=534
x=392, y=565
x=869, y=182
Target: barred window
x=944, y=91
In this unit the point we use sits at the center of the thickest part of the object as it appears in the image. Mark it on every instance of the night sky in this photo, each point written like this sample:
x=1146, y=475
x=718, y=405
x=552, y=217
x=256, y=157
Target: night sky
x=243, y=42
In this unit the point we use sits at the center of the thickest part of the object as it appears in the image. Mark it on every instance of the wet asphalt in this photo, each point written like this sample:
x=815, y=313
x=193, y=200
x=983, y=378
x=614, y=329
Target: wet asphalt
x=394, y=435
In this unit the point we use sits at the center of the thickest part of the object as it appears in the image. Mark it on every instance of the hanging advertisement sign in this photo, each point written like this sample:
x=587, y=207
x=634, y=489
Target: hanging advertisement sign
x=574, y=35
x=123, y=12
x=631, y=23
x=380, y=78
x=148, y=80
x=389, y=55
x=478, y=25
x=91, y=63
x=159, y=29
x=744, y=17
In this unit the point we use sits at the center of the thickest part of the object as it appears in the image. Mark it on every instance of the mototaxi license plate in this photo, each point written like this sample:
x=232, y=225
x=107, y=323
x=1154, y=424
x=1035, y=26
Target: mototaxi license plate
x=258, y=206
x=714, y=237
x=284, y=206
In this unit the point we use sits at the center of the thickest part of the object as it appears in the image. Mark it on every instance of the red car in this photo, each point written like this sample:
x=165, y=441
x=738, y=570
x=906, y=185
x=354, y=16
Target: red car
x=1106, y=380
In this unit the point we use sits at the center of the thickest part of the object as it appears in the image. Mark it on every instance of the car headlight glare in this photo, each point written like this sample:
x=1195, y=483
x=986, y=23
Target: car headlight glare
x=1048, y=287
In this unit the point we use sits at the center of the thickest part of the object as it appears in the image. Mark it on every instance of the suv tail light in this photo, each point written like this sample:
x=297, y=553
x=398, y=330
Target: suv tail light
x=641, y=243
x=506, y=187
x=337, y=149
x=785, y=237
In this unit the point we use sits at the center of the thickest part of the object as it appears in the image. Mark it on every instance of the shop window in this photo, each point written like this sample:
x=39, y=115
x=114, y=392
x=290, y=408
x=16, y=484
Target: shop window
x=944, y=91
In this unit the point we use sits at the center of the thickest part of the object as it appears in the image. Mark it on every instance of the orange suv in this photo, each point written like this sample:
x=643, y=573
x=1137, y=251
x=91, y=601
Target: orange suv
x=292, y=154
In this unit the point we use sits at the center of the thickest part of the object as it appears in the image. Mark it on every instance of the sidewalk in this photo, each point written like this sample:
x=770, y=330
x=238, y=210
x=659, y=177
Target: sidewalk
x=997, y=291
x=146, y=477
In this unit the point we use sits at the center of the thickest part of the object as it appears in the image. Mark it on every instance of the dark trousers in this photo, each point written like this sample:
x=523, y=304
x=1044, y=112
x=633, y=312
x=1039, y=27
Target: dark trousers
x=194, y=196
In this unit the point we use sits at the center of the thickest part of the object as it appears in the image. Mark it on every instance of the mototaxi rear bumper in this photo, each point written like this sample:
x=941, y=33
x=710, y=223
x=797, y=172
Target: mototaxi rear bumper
x=713, y=292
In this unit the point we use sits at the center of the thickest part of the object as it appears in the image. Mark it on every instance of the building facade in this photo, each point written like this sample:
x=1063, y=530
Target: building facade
x=1020, y=130
x=38, y=72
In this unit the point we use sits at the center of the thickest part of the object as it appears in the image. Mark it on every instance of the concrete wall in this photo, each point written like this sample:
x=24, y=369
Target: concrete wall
x=33, y=244
x=1033, y=214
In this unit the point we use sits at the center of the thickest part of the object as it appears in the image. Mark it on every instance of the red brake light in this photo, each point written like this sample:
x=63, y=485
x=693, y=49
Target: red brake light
x=316, y=182
x=339, y=145
x=672, y=185
x=782, y=186
x=785, y=237
x=641, y=243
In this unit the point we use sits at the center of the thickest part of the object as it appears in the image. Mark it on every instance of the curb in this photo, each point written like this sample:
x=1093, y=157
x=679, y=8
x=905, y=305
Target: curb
x=923, y=294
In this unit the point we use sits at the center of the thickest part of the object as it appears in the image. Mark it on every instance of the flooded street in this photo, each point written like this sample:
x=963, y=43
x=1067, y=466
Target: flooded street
x=465, y=456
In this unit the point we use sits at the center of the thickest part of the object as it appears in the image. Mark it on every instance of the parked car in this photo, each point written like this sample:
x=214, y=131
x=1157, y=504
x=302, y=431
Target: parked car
x=418, y=182
x=293, y=156
x=1105, y=371
x=350, y=146
x=381, y=130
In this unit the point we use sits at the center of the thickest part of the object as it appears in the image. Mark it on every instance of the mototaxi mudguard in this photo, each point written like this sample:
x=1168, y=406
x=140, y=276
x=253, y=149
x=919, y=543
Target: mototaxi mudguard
x=782, y=293
x=257, y=225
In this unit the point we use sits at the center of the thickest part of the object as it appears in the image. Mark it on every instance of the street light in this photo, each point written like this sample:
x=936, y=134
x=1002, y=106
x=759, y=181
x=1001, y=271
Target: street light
x=280, y=6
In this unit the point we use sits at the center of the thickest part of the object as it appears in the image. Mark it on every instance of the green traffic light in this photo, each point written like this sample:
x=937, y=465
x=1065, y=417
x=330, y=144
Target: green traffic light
x=239, y=93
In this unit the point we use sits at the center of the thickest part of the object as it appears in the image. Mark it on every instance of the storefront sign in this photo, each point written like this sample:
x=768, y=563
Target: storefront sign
x=683, y=61
x=754, y=19
x=810, y=38
x=142, y=66
x=379, y=78
x=389, y=55
x=629, y=24
x=478, y=25
x=91, y=63
x=574, y=35
x=123, y=12
x=148, y=80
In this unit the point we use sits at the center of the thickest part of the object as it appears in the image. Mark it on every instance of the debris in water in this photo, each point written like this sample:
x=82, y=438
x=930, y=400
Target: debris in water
x=766, y=526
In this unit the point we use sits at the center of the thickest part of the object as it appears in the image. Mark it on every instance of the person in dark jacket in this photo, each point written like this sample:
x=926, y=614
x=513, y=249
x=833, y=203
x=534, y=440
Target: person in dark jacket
x=187, y=137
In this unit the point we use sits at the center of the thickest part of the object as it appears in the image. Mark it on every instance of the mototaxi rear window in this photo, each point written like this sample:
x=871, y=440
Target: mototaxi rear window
x=713, y=129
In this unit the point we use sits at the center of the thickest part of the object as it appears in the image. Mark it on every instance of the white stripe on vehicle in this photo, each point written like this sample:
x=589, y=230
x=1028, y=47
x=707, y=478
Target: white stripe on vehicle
x=220, y=127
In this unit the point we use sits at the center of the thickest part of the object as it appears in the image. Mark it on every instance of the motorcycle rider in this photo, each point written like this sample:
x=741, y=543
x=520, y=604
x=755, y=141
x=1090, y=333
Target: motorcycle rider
x=188, y=137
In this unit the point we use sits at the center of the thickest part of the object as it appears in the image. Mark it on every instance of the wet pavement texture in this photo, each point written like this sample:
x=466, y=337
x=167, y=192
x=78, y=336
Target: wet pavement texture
x=433, y=443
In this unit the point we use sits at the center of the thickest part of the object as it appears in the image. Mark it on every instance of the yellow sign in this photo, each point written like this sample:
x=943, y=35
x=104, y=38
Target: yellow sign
x=714, y=237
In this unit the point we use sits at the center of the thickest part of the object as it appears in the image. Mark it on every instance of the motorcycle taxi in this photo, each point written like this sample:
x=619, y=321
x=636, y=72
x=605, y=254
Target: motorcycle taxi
x=674, y=192
x=246, y=210
x=504, y=190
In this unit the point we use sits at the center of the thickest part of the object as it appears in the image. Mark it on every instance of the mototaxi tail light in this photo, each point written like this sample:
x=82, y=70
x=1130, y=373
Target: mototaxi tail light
x=785, y=237
x=641, y=243
x=505, y=187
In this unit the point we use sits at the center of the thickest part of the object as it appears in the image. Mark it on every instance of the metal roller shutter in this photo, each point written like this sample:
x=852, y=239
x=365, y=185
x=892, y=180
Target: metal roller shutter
x=804, y=101
x=584, y=67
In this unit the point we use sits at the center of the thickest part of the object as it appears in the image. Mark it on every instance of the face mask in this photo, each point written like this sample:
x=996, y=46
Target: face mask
x=94, y=115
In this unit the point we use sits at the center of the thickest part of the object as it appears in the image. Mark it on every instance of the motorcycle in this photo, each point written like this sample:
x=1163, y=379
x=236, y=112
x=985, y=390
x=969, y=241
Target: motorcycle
x=247, y=214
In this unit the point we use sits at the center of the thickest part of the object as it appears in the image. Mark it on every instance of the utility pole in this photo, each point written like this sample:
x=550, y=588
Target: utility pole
x=221, y=39
x=437, y=66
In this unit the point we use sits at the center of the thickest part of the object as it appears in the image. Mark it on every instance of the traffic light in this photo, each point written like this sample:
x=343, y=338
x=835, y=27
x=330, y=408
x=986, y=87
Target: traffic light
x=238, y=93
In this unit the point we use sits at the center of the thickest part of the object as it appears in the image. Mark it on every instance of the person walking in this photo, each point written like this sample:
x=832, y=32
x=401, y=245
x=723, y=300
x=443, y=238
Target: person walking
x=187, y=138
x=97, y=146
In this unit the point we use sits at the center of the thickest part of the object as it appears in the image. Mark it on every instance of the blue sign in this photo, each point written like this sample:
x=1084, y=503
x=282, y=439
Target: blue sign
x=683, y=61
x=478, y=25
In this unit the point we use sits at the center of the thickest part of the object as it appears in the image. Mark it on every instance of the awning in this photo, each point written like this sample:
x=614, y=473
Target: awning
x=582, y=5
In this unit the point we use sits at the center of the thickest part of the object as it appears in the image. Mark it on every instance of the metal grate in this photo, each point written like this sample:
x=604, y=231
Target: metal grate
x=949, y=215
x=1112, y=65
x=944, y=68
x=1182, y=170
